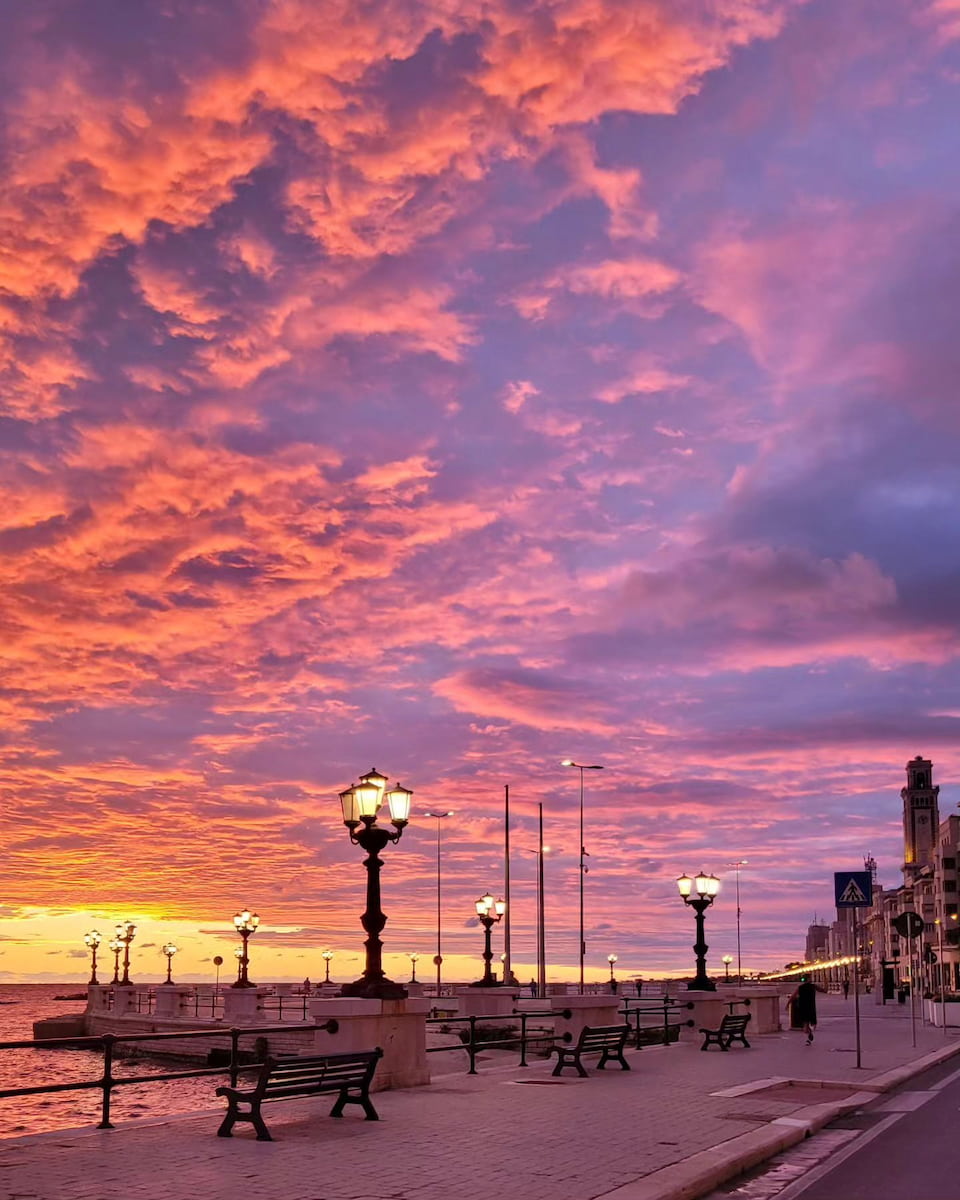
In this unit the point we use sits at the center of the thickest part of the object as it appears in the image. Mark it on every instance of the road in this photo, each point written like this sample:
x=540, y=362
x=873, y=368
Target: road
x=907, y=1148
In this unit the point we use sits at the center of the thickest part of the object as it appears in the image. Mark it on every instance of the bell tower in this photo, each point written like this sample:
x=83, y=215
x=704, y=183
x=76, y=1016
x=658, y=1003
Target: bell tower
x=921, y=818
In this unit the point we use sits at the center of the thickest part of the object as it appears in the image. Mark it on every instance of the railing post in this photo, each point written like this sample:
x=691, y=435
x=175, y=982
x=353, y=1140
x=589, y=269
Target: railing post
x=107, y=1081
x=234, y=1056
x=472, y=1046
x=523, y=1039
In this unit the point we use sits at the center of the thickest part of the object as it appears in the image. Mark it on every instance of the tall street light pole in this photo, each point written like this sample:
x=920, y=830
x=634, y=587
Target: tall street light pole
x=707, y=887
x=360, y=804
x=540, y=851
x=438, y=959
x=568, y=762
x=741, y=862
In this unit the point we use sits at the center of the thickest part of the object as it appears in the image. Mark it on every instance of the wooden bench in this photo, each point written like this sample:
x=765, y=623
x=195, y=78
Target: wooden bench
x=607, y=1040
x=732, y=1029
x=295, y=1076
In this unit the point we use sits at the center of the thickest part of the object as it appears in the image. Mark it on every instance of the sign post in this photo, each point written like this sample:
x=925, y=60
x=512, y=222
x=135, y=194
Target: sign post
x=854, y=889
x=910, y=925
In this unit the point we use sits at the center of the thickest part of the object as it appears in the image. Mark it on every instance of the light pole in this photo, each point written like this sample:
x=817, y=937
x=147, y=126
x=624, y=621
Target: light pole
x=438, y=959
x=485, y=906
x=361, y=803
x=568, y=762
x=707, y=887
x=413, y=966
x=116, y=945
x=327, y=955
x=943, y=1001
x=540, y=851
x=245, y=923
x=726, y=960
x=126, y=932
x=611, y=959
x=238, y=955
x=169, y=949
x=740, y=862
x=92, y=940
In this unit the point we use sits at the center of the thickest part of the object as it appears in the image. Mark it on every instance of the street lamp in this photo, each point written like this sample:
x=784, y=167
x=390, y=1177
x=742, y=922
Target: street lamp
x=327, y=955
x=169, y=949
x=726, y=960
x=126, y=932
x=611, y=959
x=116, y=945
x=361, y=803
x=245, y=923
x=413, y=966
x=540, y=851
x=568, y=762
x=707, y=887
x=740, y=862
x=238, y=955
x=486, y=906
x=93, y=940
x=438, y=959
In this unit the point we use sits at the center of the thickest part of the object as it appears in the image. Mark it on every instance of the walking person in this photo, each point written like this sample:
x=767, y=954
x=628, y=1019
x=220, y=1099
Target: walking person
x=846, y=987
x=804, y=1002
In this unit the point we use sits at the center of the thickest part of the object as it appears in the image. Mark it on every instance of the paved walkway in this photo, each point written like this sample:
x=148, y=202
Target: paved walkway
x=670, y=1129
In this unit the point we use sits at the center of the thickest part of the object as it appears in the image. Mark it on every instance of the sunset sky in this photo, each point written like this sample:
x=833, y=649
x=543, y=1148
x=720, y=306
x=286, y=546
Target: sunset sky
x=453, y=387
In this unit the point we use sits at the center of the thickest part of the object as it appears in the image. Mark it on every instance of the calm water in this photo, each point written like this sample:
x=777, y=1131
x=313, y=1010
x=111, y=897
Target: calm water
x=20, y=1006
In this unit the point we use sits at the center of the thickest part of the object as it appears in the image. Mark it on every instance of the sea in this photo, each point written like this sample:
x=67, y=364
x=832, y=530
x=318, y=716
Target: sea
x=20, y=1006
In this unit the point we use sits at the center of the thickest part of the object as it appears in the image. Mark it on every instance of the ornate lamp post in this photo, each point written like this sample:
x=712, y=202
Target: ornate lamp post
x=116, y=946
x=413, y=966
x=169, y=949
x=361, y=803
x=327, y=955
x=707, y=887
x=245, y=923
x=126, y=932
x=568, y=762
x=486, y=906
x=238, y=955
x=438, y=957
x=726, y=960
x=93, y=940
x=611, y=959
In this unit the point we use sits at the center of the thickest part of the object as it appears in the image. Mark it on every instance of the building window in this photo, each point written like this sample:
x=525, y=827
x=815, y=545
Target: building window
x=949, y=885
x=951, y=908
x=949, y=864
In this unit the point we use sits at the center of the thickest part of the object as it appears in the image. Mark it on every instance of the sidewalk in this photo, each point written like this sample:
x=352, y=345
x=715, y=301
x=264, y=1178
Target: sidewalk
x=673, y=1127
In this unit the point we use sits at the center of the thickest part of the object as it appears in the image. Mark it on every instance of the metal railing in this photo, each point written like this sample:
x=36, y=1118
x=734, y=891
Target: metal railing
x=473, y=1045
x=107, y=1041
x=664, y=1008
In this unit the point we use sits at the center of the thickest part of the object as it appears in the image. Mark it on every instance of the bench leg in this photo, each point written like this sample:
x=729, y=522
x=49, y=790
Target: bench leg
x=363, y=1100
x=227, y=1124
x=263, y=1133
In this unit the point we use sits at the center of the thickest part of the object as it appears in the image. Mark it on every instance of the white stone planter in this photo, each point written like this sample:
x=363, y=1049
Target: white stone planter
x=934, y=1013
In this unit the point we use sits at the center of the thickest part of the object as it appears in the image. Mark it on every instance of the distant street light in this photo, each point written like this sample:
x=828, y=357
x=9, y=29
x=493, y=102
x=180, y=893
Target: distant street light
x=126, y=932
x=116, y=945
x=726, y=960
x=568, y=762
x=92, y=940
x=246, y=924
x=707, y=887
x=239, y=956
x=169, y=949
x=361, y=804
x=327, y=956
x=438, y=957
x=486, y=906
x=611, y=959
x=413, y=966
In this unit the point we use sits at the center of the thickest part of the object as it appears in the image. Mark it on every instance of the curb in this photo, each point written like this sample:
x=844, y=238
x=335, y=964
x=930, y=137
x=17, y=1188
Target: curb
x=701, y=1173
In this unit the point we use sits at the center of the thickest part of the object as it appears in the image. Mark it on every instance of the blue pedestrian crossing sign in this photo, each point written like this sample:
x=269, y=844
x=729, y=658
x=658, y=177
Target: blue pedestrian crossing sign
x=853, y=889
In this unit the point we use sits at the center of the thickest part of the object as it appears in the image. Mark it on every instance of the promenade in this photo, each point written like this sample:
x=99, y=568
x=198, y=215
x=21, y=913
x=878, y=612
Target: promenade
x=679, y=1122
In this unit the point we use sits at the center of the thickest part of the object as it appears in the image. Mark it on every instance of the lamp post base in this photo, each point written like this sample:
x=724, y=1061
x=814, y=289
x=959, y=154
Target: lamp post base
x=701, y=985
x=374, y=989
